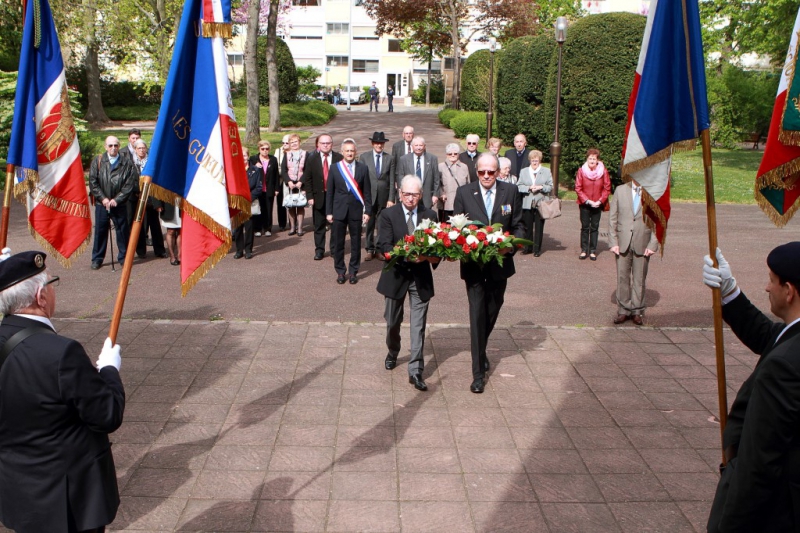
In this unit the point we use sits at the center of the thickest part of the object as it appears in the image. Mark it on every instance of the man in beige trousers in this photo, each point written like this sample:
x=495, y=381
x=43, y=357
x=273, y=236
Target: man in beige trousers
x=633, y=243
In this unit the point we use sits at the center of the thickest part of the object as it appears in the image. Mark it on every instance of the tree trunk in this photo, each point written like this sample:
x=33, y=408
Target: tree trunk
x=164, y=48
x=455, y=100
x=272, y=67
x=428, y=88
x=95, y=113
x=253, y=121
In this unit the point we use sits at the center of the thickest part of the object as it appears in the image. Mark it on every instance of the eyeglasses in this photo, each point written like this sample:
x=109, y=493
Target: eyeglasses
x=472, y=143
x=113, y=145
x=52, y=281
x=454, y=153
x=487, y=172
x=410, y=194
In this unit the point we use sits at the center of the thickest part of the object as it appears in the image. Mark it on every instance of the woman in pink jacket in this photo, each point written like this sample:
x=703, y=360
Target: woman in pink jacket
x=593, y=187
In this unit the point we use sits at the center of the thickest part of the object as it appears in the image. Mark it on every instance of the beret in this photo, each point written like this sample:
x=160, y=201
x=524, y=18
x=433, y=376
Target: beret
x=784, y=261
x=20, y=267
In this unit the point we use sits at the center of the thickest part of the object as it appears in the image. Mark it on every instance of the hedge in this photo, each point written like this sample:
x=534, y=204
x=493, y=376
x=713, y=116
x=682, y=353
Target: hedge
x=287, y=73
x=310, y=113
x=466, y=122
x=599, y=62
x=445, y=115
x=521, y=89
x=475, y=80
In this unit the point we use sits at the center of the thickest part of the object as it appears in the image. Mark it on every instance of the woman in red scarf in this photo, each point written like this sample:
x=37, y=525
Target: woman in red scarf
x=593, y=187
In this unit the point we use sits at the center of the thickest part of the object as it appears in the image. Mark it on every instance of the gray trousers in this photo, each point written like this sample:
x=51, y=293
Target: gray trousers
x=394, y=318
x=631, y=274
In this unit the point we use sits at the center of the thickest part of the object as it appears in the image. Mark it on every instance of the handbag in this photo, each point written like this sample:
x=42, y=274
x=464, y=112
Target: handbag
x=549, y=207
x=255, y=208
x=295, y=199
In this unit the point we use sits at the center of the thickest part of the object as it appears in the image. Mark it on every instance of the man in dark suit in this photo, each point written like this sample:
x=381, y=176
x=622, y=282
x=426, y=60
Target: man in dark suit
x=381, y=180
x=470, y=156
x=412, y=278
x=424, y=166
x=315, y=183
x=758, y=488
x=56, y=411
x=518, y=155
x=399, y=149
x=348, y=204
x=270, y=186
x=491, y=202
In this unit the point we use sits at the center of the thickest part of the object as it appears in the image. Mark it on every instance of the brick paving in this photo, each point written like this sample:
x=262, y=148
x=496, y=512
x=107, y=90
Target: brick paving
x=282, y=418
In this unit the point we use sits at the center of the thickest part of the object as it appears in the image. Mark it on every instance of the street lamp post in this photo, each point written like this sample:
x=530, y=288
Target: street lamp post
x=349, y=53
x=555, y=147
x=489, y=116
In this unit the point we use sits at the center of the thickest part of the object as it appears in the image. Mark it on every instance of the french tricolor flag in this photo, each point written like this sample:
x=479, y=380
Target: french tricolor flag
x=196, y=153
x=668, y=107
x=44, y=145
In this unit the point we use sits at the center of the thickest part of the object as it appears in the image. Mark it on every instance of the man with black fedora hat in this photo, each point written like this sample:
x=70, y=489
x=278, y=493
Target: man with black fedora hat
x=56, y=410
x=759, y=488
x=382, y=182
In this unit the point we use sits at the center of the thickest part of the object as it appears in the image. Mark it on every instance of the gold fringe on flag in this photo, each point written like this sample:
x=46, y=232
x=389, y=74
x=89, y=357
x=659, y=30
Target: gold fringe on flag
x=654, y=208
x=217, y=29
x=66, y=262
x=784, y=177
x=789, y=137
x=658, y=157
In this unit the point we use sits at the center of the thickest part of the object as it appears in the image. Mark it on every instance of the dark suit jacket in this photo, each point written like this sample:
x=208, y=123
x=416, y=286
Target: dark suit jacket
x=759, y=489
x=271, y=176
x=312, y=179
x=394, y=282
x=382, y=186
x=56, y=411
x=343, y=204
x=431, y=186
x=470, y=162
x=469, y=201
x=511, y=154
x=398, y=151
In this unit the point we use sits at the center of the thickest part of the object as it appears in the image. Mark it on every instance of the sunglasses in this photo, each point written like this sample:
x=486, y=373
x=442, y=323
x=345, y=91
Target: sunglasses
x=113, y=145
x=487, y=172
x=472, y=143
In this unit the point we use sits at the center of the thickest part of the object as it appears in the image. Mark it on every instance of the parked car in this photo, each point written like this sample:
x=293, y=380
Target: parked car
x=357, y=95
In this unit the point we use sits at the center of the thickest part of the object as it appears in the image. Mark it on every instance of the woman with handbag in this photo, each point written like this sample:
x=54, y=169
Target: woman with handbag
x=294, y=163
x=593, y=186
x=243, y=235
x=454, y=174
x=535, y=181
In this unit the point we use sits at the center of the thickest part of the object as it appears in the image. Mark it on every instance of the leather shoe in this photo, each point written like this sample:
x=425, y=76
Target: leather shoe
x=619, y=319
x=537, y=254
x=340, y=279
x=353, y=280
x=390, y=362
x=96, y=265
x=248, y=255
x=369, y=256
x=477, y=386
x=526, y=251
x=416, y=380
x=318, y=256
x=238, y=255
x=637, y=319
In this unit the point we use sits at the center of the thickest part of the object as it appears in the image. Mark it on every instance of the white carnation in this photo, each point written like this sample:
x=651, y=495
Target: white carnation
x=472, y=239
x=431, y=240
x=453, y=235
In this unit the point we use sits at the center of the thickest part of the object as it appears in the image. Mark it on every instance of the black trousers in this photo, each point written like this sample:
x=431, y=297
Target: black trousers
x=339, y=228
x=320, y=224
x=534, y=227
x=590, y=222
x=485, y=299
x=102, y=223
x=243, y=236
x=372, y=225
x=151, y=223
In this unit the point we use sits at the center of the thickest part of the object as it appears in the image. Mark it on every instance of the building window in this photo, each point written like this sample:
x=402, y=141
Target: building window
x=394, y=45
x=235, y=59
x=449, y=65
x=305, y=37
x=306, y=3
x=365, y=37
x=338, y=28
x=365, y=65
x=336, y=61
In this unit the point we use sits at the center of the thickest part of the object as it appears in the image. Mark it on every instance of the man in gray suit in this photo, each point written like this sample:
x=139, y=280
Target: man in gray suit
x=381, y=178
x=424, y=166
x=633, y=243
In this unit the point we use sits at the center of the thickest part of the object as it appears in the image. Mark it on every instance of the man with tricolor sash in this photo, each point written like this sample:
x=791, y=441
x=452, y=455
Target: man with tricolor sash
x=347, y=204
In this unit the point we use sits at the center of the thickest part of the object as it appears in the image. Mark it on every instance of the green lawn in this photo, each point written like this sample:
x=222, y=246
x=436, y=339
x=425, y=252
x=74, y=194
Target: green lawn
x=734, y=176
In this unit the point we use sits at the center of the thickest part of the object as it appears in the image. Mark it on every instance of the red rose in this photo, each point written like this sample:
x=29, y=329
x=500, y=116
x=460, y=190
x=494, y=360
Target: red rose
x=481, y=236
x=474, y=245
x=461, y=240
x=447, y=242
x=408, y=238
x=429, y=231
x=472, y=227
x=388, y=256
x=465, y=248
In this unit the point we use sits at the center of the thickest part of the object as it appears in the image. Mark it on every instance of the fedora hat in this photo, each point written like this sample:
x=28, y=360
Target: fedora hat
x=379, y=137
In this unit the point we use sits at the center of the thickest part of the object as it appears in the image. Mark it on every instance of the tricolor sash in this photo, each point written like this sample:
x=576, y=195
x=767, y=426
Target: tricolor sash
x=350, y=181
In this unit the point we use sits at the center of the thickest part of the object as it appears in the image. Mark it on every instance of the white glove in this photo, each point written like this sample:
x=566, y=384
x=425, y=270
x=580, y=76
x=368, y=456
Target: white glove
x=721, y=277
x=5, y=253
x=110, y=356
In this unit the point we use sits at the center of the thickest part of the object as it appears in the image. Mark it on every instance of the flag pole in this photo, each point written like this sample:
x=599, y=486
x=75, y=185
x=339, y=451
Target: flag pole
x=711, y=215
x=7, y=194
x=125, y=278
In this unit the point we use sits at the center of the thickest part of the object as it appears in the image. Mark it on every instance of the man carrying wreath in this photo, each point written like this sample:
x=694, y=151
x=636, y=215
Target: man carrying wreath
x=490, y=202
x=406, y=277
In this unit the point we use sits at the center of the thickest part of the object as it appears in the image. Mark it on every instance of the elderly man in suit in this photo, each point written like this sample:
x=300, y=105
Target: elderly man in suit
x=758, y=488
x=633, y=243
x=424, y=166
x=381, y=179
x=412, y=278
x=56, y=410
x=348, y=204
x=315, y=181
x=399, y=149
x=490, y=202
x=518, y=155
x=470, y=156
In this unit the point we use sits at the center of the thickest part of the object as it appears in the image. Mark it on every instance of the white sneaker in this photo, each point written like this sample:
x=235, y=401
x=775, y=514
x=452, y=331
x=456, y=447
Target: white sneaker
x=258, y=234
x=267, y=234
